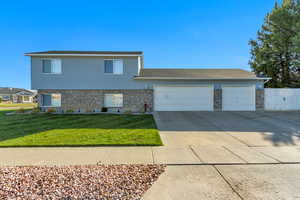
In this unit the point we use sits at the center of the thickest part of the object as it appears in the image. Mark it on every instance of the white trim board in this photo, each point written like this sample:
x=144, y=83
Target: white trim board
x=86, y=55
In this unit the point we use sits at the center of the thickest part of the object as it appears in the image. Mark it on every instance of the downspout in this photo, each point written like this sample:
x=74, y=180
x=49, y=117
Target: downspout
x=139, y=65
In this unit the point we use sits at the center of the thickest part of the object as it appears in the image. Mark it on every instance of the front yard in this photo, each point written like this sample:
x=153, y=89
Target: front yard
x=77, y=130
x=17, y=105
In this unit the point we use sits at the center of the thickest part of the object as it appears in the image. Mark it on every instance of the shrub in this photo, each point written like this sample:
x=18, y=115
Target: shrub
x=21, y=110
x=128, y=112
x=69, y=111
x=35, y=110
x=104, y=109
x=0, y=100
x=142, y=110
x=51, y=110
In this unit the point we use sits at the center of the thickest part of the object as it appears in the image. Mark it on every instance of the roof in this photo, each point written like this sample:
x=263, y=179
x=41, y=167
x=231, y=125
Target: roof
x=203, y=74
x=7, y=90
x=85, y=53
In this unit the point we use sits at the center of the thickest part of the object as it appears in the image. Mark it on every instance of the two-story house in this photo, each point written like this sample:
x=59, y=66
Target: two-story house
x=90, y=80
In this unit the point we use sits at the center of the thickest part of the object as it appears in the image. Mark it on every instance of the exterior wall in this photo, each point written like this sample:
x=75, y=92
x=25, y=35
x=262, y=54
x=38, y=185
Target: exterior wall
x=260, y=99
x=93, y=100
x=133, y=100
x=85, y=73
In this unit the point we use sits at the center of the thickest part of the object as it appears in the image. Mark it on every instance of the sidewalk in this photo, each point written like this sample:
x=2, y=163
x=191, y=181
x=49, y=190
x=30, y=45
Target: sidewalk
x=189, y=155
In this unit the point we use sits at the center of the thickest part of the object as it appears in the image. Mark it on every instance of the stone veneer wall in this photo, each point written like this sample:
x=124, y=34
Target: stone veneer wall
x=260, y=99
x=93, y=100
x=217, y=99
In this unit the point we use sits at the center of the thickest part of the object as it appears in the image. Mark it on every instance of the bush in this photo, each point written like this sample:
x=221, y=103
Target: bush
x=128, y=112
x=69, y=111
x=104, y=109
x=51, y=110
x=0, y=100
x=21, y=110
x=142, y=110
x=35, y=110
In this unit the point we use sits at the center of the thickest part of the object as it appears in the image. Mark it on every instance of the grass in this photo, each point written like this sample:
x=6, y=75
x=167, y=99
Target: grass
x=29, y=130
x=17, y=105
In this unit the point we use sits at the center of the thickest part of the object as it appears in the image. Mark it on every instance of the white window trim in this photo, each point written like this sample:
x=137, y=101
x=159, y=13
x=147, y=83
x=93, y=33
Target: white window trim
x=121, y=106
x=26, y=101
x=113, y=74
x=51, y=99
x=51, y=65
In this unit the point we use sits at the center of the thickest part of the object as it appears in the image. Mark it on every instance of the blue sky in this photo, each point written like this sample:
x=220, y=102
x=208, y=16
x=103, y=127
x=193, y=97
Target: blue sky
x=185, y=33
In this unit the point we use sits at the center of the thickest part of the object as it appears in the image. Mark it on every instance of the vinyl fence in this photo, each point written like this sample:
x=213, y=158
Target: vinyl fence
x=282, y=99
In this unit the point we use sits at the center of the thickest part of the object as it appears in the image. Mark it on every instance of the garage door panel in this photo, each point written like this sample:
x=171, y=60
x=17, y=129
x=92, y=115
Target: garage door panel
x=238, y=98
x=175, y=98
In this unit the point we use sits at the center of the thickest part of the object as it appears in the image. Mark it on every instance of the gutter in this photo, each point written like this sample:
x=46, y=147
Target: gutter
x=193, y=78
x=86, y=55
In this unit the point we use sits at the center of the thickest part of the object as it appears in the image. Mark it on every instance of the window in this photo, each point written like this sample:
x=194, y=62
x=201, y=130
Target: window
x=52, y=66
x=26, y=98
x=5, y=98
x=113, y=66
x=113, y=100
x=51, y=100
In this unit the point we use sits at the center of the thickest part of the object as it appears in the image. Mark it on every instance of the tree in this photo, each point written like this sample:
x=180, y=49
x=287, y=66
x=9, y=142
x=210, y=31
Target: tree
x=276, y=51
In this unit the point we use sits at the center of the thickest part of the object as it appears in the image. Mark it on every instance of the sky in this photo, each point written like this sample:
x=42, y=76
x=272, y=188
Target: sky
x=171, y=33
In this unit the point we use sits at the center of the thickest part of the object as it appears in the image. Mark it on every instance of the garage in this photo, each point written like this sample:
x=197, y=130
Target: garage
x=238, y=98
x=183, y=98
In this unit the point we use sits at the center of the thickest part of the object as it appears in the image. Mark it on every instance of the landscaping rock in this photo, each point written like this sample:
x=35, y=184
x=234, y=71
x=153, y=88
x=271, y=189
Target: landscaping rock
x=78, y=182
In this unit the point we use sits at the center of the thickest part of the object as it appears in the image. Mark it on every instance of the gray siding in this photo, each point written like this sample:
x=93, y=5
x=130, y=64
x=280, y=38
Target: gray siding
x=87, y=73
x=84, y=73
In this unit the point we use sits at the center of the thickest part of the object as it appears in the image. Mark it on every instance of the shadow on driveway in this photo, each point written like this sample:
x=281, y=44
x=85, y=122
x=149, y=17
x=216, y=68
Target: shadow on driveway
x=276, y=127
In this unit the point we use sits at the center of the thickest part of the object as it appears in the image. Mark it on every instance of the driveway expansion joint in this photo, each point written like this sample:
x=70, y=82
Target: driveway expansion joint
x=194, y=152
x=271, y=157
x=228, y=183
x=235, y=154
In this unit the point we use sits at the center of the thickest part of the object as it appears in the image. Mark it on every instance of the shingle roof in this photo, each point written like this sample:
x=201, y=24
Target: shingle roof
x=7, y=90
x=196, y=74
x=87, y=52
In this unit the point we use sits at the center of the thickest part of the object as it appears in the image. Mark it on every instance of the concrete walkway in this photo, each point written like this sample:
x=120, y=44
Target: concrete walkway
x=191, y=155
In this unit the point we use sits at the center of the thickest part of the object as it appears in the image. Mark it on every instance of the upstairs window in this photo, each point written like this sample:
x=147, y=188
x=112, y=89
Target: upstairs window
x=51, y=100
x=114, y=66
x=51, y=66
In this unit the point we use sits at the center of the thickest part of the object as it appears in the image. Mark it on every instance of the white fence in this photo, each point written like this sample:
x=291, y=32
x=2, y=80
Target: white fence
x=282, y=99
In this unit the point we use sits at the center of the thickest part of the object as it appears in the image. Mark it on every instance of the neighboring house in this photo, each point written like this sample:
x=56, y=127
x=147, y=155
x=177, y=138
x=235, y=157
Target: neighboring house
x=90, y=80
x=16, y=95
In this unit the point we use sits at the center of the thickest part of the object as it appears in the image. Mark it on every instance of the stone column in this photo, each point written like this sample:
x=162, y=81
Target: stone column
x=260, y=99
x=217, y=99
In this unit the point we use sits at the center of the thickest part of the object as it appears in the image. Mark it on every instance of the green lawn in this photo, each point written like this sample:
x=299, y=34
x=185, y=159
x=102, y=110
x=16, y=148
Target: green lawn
x=19, y=105
x=77, y=130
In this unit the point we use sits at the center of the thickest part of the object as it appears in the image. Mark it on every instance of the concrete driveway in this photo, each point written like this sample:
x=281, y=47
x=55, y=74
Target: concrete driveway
x=252, y=129
x=244, y=155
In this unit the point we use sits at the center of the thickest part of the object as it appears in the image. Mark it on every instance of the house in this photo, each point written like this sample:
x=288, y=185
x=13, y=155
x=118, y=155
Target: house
x=16, y=95
x=86, y=81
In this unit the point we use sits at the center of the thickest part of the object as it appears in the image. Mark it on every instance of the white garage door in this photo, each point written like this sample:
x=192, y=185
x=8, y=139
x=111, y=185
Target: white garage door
x=238, y=98
x=176, y=98
x=282, y=99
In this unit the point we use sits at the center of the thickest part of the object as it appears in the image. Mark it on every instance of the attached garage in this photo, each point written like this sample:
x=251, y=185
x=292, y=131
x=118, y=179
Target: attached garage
x=183, y=98
x=238, y=98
